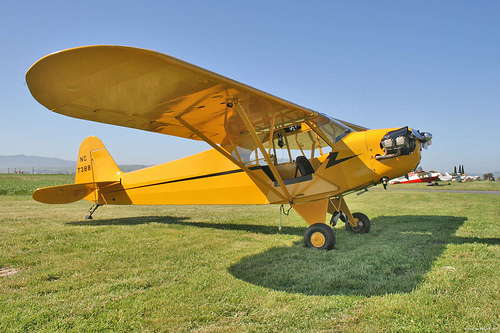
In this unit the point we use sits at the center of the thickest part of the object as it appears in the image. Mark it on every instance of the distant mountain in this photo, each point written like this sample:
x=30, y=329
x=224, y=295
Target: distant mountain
x=38, y=164
x=23, y=161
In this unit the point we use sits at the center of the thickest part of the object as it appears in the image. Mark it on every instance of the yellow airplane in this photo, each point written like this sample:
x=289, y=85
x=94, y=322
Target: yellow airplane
x=265, y=150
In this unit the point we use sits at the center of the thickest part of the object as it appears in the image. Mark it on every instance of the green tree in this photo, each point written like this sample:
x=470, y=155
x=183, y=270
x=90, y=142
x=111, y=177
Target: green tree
x=487, y=176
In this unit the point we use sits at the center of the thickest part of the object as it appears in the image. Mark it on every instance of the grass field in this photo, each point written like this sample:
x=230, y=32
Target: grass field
x=429, y=264
x=13, y=184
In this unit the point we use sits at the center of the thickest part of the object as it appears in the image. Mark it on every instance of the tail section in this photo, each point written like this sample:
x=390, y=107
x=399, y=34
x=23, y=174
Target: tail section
x=95, y=164
x=95, y=169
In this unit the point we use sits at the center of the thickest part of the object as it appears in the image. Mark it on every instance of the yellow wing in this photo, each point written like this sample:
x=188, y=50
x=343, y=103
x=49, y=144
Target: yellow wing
x=148, y=90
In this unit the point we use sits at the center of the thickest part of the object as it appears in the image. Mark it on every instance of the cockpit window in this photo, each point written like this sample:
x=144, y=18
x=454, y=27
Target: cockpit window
x=311, y=138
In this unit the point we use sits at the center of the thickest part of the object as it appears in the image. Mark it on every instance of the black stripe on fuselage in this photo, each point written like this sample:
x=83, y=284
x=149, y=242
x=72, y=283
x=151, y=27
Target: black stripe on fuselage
x=217, y=174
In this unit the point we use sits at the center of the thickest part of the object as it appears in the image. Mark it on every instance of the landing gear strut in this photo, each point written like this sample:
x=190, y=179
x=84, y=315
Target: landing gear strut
x=91, y=211
x=320, y=235
x=356, y=223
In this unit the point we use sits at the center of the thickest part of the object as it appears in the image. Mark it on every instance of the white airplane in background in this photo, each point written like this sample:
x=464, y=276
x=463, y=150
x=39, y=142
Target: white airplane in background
x=444, y=178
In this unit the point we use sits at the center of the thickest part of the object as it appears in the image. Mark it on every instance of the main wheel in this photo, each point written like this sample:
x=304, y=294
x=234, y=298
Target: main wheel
x=319, y=236
x=363, y=224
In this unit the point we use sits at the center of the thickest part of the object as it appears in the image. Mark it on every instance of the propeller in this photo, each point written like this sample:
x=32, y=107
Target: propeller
x=424, y=137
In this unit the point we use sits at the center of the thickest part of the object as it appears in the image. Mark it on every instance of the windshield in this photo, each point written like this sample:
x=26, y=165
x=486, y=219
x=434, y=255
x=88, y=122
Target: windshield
x=331, y=128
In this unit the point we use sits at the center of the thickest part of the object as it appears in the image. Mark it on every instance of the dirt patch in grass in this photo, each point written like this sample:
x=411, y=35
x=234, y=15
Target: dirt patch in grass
x=6, y=271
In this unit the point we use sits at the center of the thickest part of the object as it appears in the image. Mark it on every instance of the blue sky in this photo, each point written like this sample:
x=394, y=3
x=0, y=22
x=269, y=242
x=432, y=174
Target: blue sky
x=432, y=65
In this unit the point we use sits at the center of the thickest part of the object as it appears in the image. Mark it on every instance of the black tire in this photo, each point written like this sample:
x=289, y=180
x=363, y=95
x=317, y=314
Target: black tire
x=319, y=236
x=363, y=224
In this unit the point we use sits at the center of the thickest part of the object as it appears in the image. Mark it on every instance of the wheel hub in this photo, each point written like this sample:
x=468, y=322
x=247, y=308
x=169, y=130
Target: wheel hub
x=360, y=225
x=318, y=239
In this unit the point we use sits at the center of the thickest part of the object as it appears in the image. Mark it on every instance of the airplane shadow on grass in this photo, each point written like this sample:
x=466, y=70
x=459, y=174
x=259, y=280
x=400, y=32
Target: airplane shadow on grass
x=186, y=221
x=136, y=220
x=393, y=258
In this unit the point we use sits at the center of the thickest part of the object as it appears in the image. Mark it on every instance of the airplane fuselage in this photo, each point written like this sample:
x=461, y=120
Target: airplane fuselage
x=210, y=178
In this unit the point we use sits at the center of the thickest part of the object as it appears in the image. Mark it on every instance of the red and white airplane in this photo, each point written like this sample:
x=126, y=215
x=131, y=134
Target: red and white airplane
x=416, y=177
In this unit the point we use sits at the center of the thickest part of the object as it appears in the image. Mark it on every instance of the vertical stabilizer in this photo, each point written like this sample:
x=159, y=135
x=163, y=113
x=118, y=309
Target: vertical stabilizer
x=95, y=164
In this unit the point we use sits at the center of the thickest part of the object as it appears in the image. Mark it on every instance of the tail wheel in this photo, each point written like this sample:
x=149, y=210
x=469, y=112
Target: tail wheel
x=319, y=236
x=363, y=224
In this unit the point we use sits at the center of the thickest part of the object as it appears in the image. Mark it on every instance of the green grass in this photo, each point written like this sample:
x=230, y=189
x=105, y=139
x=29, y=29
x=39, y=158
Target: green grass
x=13, y=184
x=429, y=264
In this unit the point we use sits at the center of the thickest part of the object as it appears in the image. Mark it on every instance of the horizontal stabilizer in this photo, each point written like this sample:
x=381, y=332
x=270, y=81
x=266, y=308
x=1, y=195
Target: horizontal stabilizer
x=67, y=193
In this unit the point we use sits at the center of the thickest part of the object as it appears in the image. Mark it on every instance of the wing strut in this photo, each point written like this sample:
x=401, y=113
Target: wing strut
x=230, y=157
